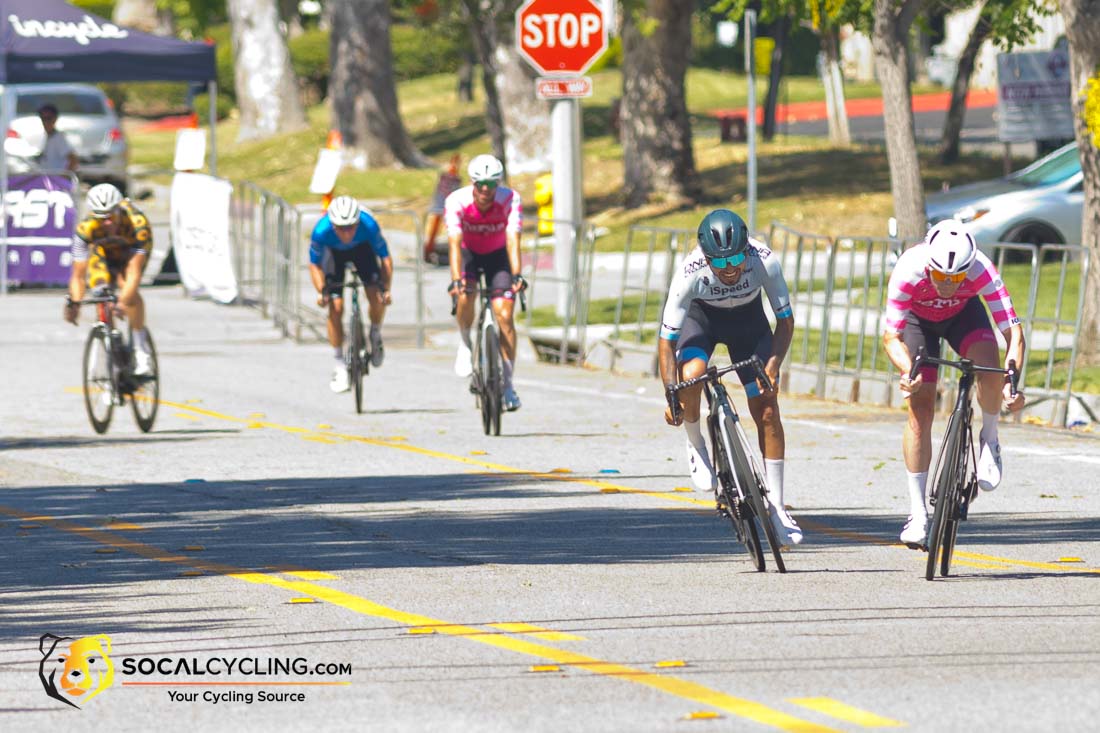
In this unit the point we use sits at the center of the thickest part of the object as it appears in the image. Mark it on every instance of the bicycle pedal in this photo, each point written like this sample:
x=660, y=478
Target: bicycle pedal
x=923, y=547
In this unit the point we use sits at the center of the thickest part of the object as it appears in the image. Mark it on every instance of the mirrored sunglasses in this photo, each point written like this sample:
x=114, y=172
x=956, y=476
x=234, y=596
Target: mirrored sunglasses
x=723, y=262
x=943, y=277
x=486, y=184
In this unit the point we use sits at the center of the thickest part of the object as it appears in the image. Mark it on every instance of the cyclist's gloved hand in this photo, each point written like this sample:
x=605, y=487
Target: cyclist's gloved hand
x=518, y=283
x=674, y=413
x=456, y=287
x=71, y=311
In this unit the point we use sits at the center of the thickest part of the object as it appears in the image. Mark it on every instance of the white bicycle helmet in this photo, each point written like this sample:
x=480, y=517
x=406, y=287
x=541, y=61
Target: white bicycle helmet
x=485, y=168
x=343, y=211
x=952, y=249
x=103, y=200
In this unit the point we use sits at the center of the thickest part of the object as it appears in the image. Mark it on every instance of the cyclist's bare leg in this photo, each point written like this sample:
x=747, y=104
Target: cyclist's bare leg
x=990, y=385
x=504, y=308
x=376, y=305
x=917, y=439
x=691, y=397
x=130, y=297
x=336, y=322
x=464, y=315
x=769, y=427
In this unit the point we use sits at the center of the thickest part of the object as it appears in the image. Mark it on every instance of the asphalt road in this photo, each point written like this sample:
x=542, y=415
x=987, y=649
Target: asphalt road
x=553, y=578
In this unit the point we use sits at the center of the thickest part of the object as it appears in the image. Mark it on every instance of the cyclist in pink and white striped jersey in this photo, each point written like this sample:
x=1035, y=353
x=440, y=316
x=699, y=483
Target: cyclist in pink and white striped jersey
x=934, y=293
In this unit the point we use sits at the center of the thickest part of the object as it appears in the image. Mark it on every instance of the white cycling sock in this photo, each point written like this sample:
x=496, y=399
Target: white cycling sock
x=141, y=339
x=508, y=368
x=989, y=426
x=338, y=352
x=465, y=334
x=773, y=474
x=695, y=435
x=917, y=484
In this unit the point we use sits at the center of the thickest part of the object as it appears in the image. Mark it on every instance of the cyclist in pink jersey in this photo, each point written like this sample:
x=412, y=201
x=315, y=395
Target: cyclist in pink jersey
x=483, y=226
x=934, y=293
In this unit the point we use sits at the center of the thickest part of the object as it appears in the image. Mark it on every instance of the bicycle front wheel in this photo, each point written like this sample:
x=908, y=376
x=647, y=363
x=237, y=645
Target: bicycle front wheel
x=493, y=382
x=739, y=510
x=946, y=480
x=99, y=385
x=356, y=361
x=146, y=395
x=752, y=484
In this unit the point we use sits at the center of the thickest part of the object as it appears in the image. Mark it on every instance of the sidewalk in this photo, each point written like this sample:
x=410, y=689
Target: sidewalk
x=871, y=107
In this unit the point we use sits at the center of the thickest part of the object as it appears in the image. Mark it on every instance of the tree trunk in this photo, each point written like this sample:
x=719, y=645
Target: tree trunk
x=267, y=90
x=361, y=87
x=956, y=112
x=482, y=18
x=526, y=117
x=890, y=43
x=775, y=75
x=833, y=79
x=288, y=11
x=656, y=129
x=1082, y=19
x=143, y=16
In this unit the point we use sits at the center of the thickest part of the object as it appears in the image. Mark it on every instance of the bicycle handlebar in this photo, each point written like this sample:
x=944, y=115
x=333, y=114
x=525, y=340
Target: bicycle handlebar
x=454, y=298
x=966, y=366
x=713, y=374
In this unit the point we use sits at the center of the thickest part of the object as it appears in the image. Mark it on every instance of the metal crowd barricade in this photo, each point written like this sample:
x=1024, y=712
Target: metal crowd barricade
x=404, y=233
x=647, y=269
x=569, y=293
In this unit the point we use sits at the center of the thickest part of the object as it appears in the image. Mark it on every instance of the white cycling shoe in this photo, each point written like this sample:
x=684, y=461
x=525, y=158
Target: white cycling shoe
x=143, y=363
x=989, y=466
x=915, y=531
x=464, y=366
x=702, y=474
x=339, y=381
x=511, y=399
x=786, y=528
x=377, y=350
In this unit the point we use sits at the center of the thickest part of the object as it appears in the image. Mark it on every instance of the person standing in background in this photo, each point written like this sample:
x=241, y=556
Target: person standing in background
x=57, y=154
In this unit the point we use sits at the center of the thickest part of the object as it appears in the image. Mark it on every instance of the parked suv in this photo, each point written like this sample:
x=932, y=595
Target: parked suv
x=88, y=120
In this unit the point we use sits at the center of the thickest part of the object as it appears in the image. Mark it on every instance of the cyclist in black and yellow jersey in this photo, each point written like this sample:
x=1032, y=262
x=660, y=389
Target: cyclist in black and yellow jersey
x=111, y=246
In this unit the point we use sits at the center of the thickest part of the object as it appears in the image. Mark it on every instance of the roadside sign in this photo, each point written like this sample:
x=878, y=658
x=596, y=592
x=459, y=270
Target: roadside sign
x=1033, y=96
x=560, y=36
x=326, y=170
x=563, y=88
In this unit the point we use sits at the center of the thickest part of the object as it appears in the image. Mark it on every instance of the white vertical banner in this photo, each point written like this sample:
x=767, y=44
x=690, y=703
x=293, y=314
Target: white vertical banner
x=200, y=235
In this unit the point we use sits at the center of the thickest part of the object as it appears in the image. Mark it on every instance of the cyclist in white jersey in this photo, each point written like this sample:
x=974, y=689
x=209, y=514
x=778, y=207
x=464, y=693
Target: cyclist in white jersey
x=483, y=226
x=934, y=293
x=716, y=298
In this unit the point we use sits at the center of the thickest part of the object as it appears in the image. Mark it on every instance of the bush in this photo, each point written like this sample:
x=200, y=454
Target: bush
x=612, y=58
x=422, y=51
x=309, y=57
x=102, y=8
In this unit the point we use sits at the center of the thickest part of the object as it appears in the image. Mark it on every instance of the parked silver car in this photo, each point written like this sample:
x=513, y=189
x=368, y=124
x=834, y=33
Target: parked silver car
x=88, y=120
x=1040, y=204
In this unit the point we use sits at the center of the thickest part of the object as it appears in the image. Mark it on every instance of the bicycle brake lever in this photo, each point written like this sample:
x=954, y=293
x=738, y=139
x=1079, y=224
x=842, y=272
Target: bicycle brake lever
x=1013, y=378
x=915, y=369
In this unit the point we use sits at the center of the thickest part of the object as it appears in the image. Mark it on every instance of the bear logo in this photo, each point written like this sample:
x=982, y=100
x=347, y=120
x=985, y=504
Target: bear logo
x=76, y=671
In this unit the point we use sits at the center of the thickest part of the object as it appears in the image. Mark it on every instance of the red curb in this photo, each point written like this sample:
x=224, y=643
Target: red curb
x=871, y=107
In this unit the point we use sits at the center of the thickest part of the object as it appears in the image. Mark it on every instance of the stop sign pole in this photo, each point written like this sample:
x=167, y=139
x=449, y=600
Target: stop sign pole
x=562, y=38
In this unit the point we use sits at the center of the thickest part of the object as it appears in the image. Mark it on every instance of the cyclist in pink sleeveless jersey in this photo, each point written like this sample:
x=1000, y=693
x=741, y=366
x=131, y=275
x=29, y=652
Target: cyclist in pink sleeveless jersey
x=483, y=226
x=935, y=292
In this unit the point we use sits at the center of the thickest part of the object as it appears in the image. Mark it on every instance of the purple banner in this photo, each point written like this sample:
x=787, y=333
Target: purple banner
x=41, y=222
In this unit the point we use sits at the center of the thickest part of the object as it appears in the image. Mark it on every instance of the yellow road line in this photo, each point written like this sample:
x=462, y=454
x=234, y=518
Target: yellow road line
x=517, y=627
x=847, y=713
x=671, y=685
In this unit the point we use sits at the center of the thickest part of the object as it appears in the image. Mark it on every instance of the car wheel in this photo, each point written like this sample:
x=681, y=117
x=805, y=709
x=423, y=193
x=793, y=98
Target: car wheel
x=1035, y=233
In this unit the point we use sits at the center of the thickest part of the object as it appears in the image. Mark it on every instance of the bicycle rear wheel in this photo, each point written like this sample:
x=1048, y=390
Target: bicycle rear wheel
x=99, y=386
x=493, y=381
x=946, y=492
x=355, y=360
x=145, y=398
x=738, y=510
x=753, y=486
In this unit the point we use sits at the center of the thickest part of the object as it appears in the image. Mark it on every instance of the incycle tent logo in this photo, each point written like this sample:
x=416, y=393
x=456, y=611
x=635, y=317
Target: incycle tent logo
x=75, y=670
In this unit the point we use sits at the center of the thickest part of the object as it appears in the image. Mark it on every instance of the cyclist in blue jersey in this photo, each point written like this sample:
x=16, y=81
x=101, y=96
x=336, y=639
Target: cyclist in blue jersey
x=348, y=233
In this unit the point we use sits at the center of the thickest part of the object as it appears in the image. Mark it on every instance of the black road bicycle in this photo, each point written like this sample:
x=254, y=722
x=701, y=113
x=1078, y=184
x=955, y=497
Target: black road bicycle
x=487, y=379
x=356, y=350
x=109, y=369
x=743, y=492
x=955, y=478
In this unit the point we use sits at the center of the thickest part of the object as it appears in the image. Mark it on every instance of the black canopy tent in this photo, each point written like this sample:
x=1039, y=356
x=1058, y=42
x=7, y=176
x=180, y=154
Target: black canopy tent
x=53, y=41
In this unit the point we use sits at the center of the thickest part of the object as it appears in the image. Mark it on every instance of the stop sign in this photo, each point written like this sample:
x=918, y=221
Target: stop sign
x=560, y=36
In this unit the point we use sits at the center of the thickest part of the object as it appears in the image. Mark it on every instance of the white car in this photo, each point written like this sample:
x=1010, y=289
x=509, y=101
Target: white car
x=1040, y=204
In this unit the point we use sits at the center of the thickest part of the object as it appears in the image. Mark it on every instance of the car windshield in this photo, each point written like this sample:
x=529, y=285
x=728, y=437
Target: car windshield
x=1054, y=168
x=67, y=103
